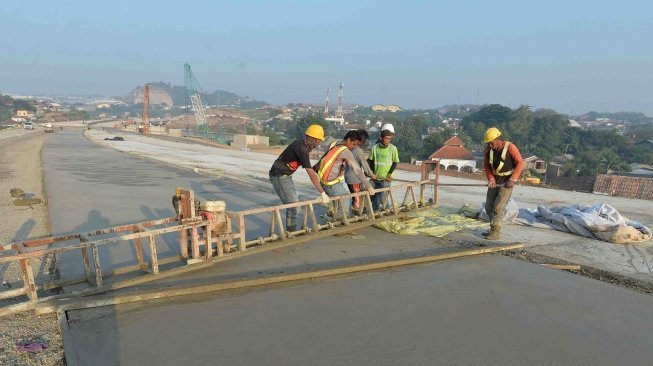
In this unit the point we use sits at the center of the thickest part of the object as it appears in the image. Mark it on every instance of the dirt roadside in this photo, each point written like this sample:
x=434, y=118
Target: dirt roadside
x=20, y=167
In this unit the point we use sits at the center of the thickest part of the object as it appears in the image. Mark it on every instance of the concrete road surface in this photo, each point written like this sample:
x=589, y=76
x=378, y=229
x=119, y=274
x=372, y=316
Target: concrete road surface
x=482, y=310
x=488, y=310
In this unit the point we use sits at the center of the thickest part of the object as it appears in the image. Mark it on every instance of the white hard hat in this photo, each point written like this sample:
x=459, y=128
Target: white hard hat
x=388, y=127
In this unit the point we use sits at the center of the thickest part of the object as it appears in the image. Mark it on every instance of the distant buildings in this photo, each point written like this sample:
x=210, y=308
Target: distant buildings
x=454, y=156
x=386, y=108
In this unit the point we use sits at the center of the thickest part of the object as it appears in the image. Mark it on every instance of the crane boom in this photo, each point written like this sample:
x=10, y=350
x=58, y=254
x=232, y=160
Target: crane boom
x=195, y=94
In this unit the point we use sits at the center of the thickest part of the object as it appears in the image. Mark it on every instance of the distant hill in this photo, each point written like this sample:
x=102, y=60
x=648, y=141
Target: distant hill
x=160, y=91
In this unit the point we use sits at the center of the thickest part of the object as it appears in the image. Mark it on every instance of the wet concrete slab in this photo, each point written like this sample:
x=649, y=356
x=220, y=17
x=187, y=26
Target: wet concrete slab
x=90, y=187
x=489, y=309
x=632, y=260
x=482, y=310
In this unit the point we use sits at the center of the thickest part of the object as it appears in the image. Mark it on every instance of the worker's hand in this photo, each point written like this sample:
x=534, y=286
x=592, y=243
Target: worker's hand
x=492, y=184
x=373, y=176
x=325, y=198
x=388, y=178
x=371, y=190
x=510, y=183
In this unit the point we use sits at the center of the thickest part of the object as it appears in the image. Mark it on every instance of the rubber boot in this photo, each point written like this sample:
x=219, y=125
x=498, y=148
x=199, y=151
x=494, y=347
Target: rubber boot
x=495, y=233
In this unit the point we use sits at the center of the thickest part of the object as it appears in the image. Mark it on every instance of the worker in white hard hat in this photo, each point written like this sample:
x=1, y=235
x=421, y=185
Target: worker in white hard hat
x=388, y=127
x=291, y=159
x=383, y=160
x=503, y=165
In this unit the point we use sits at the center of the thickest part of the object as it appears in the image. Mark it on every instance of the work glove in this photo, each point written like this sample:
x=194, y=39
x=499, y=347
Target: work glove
x=325, y=198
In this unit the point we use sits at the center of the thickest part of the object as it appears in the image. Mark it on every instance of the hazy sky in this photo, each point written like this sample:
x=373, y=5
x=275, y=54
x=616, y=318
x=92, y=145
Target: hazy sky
x=571, y=55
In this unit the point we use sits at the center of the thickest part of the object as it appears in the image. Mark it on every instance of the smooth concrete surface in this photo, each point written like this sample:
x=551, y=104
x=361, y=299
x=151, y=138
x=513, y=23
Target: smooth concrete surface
x=633, y=260
x=482, y=310
x=488, y=310
x=90, y=187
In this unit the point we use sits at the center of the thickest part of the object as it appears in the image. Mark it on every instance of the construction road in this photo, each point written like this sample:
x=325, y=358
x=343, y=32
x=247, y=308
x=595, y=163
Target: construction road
x=488, y=309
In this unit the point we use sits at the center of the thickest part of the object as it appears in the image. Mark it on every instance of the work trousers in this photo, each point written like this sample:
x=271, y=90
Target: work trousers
x=338, y=189
x=495, y=204
x=285, y=189
x=378, y=198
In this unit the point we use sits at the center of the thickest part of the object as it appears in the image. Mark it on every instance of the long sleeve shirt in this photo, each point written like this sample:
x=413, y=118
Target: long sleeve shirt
x=350, y=174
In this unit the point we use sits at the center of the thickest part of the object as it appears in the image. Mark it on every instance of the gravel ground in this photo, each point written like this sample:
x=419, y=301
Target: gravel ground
x=20, y=167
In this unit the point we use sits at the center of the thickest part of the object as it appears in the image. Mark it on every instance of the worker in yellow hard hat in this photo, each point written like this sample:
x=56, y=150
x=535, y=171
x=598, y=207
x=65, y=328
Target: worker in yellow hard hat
x=294, y=156
x=503, y=165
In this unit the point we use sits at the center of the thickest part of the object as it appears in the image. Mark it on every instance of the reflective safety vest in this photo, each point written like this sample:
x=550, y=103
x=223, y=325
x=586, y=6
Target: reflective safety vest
x=326, y=164
x=504, y=155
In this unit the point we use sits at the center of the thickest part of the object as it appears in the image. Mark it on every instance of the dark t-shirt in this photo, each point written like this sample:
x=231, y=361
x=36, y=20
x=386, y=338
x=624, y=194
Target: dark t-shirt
x=294, y=156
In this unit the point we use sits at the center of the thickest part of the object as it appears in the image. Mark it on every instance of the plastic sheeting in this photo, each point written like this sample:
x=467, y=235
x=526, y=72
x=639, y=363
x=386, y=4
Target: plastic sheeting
x=435, y=222
x=600, y=221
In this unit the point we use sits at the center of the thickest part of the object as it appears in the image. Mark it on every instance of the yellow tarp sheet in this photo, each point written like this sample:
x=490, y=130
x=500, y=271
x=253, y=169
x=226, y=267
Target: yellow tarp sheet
x=436, y=222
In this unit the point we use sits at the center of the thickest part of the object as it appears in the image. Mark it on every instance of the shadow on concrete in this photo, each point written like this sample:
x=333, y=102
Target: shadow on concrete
x=21, y=234
x=108, y=350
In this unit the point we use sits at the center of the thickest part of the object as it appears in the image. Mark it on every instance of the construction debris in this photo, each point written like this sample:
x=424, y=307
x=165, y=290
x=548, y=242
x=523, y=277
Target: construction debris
x=437, y=222
x=600, y=221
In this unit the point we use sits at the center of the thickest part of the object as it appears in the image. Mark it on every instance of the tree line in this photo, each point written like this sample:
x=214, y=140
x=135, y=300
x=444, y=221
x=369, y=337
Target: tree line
x=544, y=132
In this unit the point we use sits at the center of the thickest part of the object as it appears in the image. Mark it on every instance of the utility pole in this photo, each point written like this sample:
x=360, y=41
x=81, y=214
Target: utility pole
x=340, y=112
x=326, y=105
x=145, y=116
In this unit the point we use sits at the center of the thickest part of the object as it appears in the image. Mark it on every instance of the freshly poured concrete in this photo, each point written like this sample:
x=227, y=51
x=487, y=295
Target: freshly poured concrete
x=481, y=310
x=90, y=187
x=633, y=260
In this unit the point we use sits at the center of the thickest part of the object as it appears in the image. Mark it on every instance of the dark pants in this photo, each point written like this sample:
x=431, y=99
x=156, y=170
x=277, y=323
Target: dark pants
x=495, y=204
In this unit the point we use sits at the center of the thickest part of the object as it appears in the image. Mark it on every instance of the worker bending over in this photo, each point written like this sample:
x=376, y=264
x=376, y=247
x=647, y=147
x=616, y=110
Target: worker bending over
x=293, y=157
x=331, y=168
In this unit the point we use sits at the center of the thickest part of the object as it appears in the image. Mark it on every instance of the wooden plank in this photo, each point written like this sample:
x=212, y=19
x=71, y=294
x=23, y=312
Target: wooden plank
x=209, y=244
x=343, y=210
x=368, y=199
x=7, y=294
x=84, y=303
x=28, y=278
x=183, y=243
x=277, y=216
x=241, y=231
x=154, y=260
x=316, y=224
x=568, y=267
x=87, y=264
x=195, y=245
x=96, y=263
x=139, y=250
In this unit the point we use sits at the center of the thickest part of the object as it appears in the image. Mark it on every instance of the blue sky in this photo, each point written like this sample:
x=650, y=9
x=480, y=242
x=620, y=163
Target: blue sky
x=572, y=56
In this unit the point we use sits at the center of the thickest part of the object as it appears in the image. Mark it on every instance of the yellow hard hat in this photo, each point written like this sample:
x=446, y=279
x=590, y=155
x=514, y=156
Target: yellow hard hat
x=315, y=131
x=491, y=134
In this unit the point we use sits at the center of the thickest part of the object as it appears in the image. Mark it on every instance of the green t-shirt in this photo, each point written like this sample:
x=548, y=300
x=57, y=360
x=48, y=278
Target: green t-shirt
x=383, y=157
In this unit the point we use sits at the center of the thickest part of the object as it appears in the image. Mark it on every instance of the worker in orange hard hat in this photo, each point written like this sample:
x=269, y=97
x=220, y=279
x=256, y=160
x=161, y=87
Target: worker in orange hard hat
x=503, y=165
x=293, y=157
